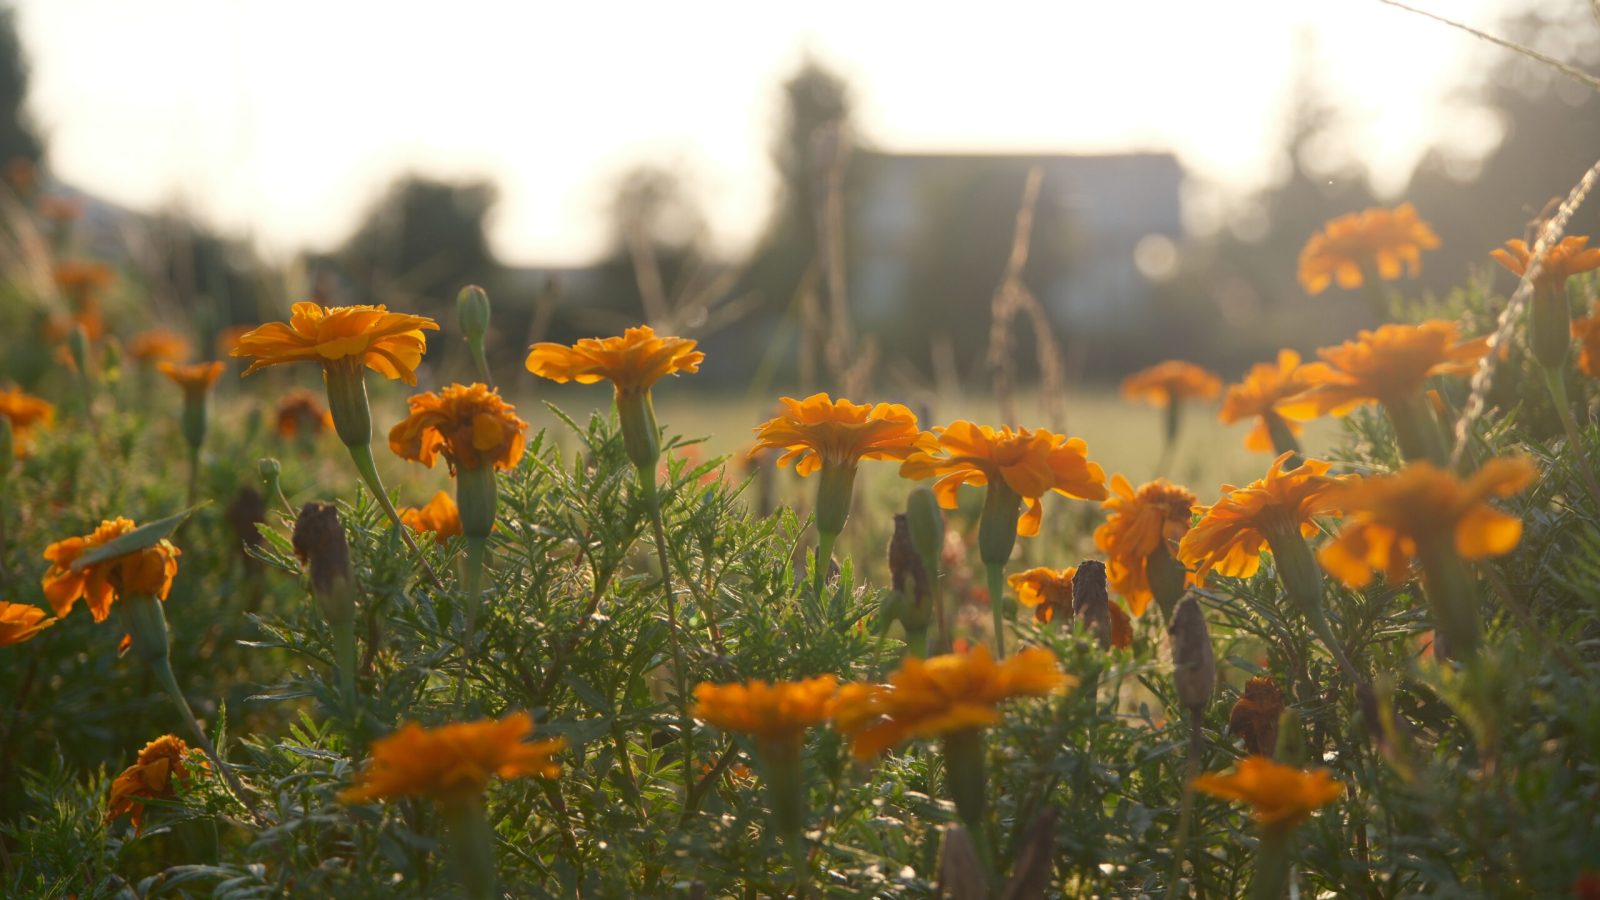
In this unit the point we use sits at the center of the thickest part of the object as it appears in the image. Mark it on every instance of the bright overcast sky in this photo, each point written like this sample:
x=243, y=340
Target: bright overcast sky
x=284, y=118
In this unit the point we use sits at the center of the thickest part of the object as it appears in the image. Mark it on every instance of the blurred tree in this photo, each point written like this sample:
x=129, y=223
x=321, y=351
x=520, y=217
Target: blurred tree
x=657, y=230
x=422, y=240
x=17, y=138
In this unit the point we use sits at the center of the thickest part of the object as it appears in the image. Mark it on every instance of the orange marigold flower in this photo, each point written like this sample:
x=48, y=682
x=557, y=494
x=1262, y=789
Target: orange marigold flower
x=160, y=767
x=776, y=714
x=819, y=431
x=21, y=621
x=195, y=379
x=1169, y=382
x=453, y=763
x=1047, y=591
x=82, y=280
x=1155, y=516
x=26, y=412
x=301, y=412
x=1586, y=330
x=1266, y=394
x=1254, y=717
x=158, y=344
x=942, y=694
x=440, y=518
x=1387, y=516
x=632, y=362
x=1353, y=246
x=1230, y=533
x=1389, y=365
x=1562, y=261
x=148, y=571
x=468, y=424
x=391, y=344
x=1281, y=796
x=1031, y=462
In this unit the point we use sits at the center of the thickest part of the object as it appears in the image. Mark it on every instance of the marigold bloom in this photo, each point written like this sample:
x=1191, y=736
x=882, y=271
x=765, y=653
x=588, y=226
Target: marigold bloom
x=26, y=413
x=391, y=344
x=632, y=362
x=1031, y=462
x=942, y=694
x=158, y=344
x=83, y=280
x=1140, y=523
x=1254, y=717
x=300, y=412
x=160, y=767
x=1170, y=382
x=1387, y=516
x=468, y=424
x=21, y=621
x=440, y=518
x=819, y=431
x=1280, y=796
x=1374, y=241
x=776, y=713
x=1266, y=394
x=1586, y=330
x=1562, y=261
x=1047, y=591
x=1231, y=532
x=1388, y=365
x=195, y=379
x=453, y=763
x=148, y=571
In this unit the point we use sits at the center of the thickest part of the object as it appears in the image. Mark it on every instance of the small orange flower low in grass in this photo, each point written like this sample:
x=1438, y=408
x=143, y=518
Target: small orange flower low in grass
x=1233, y=531
x=161, y=767
x=20, y=622
x=1376, y=242
x=775, y=714
x=1280, y=796
x=633, y=362
x=195, y=379
x=1171, y=382
x=466, y=424
x=158, y=344
x=1266, y=395
x=300, y=414
x=25, y=412
x=1142, y=530
x=391, y=344
x=942, y=694
x=144, y=572
x=453, y=763
x=439, y=517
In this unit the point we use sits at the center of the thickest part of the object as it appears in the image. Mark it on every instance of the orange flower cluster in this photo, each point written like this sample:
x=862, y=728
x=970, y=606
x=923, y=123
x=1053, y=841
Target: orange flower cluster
x=1031, y=462
x=25, y=412
x=820, y=431
x=1157, y=515
x=632, y=362
x=453, y=763
x=468, y=424
x=439, y=517
x=301, y=413
x=390, y=344
x=161, y=767
x=777, y=713
x=941, y=695
x=1170, y=382
x=1281, y=796
x=1376, y=241
x=1267, y=394
x=20, y=622
x=148, y=571
x=1231, y=532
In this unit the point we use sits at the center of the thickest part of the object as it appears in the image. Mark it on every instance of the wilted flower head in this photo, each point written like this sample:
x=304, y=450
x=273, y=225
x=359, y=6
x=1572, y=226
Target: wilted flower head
x=776, y=714
x=1561, y=261
x=158, y=344
x=453, y=763
x=632, y=362
x=942, y=694
x=1265, y=394
x=1280, y=796
x=1231, y=533
x=25, y=412
x=439, y=517
x=195, y=379
x=1254, y=717
x=21, y=621
x=160, y=767
x=1388, y=365
x=1141, y=522
x=391, y=344
x=1377, y=241
x=819, y=431
x=1169, y=382
x=1387, y=516
x=467, y=424
x=148, y=571
x=1032, y=462
x=301, y=413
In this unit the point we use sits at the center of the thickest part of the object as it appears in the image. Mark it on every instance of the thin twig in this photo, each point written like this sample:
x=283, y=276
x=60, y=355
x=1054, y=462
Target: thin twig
x=1567, y=70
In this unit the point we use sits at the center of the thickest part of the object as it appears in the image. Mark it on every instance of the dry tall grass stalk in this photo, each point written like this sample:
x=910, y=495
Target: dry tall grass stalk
x=1011, y=298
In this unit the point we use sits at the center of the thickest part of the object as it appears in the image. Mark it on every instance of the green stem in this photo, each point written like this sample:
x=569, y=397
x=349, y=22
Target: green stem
x=1283, y=440
x=1452, y=596
x=1271, y=881
x=1186, y=810
x=472, y=577
x=471, y=841
x=680, y=674
x=1416, y=430
x=194, y=474
x=917, y=642
x=1302, y=581
x=368, y=467
x=964, y=774
x=344, y=653
x=1557, y=385
x=163, y=673
x=824, y=561
x=995, y=574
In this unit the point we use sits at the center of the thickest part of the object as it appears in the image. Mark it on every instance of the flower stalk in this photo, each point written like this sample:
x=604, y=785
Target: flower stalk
x=1302, y=582
x=1452, y=596
x=471, y=841
x=1416, y=430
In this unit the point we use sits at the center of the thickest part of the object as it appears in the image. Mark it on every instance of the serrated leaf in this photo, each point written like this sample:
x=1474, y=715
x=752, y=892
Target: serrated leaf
x=142, y=538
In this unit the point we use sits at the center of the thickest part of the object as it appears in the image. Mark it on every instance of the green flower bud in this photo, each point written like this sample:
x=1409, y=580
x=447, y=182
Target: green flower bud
x=472, y=311
x=639, y=433
x=347, y=401
x=835, y=491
